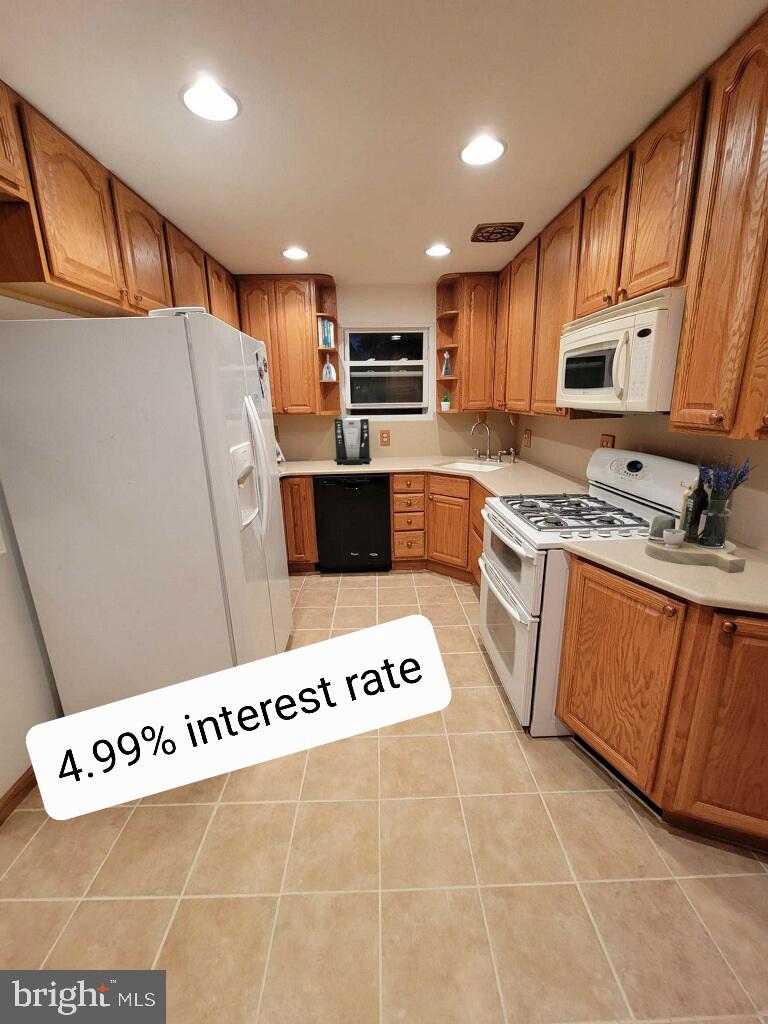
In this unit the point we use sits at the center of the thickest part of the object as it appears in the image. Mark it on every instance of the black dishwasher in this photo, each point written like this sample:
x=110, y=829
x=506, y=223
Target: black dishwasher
x=352, y=517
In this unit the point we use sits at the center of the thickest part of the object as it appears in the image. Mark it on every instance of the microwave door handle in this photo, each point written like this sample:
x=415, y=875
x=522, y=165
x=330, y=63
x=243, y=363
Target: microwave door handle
x=507, y=541
x=620, y=365
x=512, y=612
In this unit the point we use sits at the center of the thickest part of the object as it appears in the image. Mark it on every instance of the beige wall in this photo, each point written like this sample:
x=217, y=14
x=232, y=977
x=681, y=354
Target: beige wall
x=391, y=306
x=566, y=446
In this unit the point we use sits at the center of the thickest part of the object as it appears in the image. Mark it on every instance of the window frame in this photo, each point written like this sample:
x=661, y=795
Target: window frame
x=427, y=410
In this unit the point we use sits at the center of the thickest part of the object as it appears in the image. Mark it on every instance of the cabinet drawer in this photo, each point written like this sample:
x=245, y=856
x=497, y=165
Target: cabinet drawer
x=450, y=486
x=408, y=482
x=409, y=520
x=407, y=502
x=408, y=544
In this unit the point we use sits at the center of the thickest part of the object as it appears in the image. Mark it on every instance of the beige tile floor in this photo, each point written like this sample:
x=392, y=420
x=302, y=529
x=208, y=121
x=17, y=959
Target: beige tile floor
x=449, y=870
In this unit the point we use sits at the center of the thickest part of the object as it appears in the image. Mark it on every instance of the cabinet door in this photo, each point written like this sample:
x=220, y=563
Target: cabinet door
x=142, y=245
x=297, y=342
x=257, y=306
x=299, y=519
x=555, y=299
x=500, y=352
x=448, y=529
x=475, y=550
x=728, y=243
x=187, y=264
x=11, y=170
x=620, y=647
x=76, y=212
x=601, y=238
x=724, y=775
x=477, y=336
x=660, y=198
x=222, y=293
x=520, y=328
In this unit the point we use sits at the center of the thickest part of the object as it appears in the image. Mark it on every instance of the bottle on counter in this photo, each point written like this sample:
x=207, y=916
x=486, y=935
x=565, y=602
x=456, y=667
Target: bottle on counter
x=695, y=502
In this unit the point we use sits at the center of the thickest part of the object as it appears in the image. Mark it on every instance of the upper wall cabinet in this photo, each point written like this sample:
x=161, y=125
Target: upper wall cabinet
x=187, y=262
x=296, y=332
x=142, y=245
x=222, y=292
x=75, y=208
x=555, y=303
x=257, y=309
x=661, y=197
x=601, y=237
x=11, y=167
x=502, y=324
x=478, y=326
x=520, y=325
x=721, y=382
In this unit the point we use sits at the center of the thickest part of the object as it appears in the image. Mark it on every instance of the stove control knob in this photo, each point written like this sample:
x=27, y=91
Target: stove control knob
x=566, y=533
x=625, y=533
x=603, y=533
x=585, y=533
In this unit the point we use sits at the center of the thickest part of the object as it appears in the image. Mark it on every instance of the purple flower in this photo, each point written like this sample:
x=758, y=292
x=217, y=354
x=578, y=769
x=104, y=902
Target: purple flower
x=722, y=478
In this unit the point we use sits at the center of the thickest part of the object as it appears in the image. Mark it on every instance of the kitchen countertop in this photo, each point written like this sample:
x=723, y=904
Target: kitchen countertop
x=516, y=478
x=703, y=584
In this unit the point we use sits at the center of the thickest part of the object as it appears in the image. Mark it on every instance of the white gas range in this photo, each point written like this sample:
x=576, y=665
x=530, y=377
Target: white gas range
x=524, y=570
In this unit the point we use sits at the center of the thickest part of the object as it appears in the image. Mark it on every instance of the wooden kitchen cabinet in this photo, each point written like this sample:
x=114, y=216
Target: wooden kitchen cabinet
x=257, y=308
x=555, y=303
x=187, y=265
x=222, y=293
x=295, y=325
x=661, y=197
x=502, y=327
x=299, y=521
x=11, y=167
x=409, y=526
x=602, y=226
x=142, y=246
x=721, y=383
x=520, y=327
x=448, y=520
x=723, y=779
x=619, y=655
x=478, y=328
x=74, y=204
x=477, y=496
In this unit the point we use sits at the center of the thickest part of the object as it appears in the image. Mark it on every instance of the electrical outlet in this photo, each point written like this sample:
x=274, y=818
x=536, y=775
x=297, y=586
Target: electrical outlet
x=607, y=441
x=526, y=439
x=384, y=438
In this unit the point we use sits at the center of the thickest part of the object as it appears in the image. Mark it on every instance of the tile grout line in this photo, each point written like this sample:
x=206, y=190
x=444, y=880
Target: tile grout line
x=35, y=833
x=579, y=889
x=193, y=864
x=102, y=862
x=268, y=955
x=701, y=920
x=477, y=889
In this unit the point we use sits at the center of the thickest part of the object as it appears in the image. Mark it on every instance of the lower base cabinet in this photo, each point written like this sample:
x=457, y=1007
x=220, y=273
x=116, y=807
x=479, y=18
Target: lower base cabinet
x=448, y=520
x=299, y=522
x=673, y=695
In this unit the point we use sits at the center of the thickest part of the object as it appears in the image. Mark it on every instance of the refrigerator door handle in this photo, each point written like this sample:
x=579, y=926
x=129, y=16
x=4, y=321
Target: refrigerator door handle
x=263, y=479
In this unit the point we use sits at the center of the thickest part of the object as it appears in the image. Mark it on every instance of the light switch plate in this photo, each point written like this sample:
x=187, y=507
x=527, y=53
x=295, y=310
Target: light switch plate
x=526, y=439
x=384, y=438
x=607, y=441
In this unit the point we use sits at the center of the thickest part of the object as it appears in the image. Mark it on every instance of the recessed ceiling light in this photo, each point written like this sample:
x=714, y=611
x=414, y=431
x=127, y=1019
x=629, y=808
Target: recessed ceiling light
x=438, y=249
x=295, y=252
x=482, y=150
x=208, y=99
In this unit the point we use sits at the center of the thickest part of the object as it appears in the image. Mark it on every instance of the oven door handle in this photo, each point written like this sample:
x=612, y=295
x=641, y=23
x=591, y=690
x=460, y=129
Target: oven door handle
x=507, y=541
x=620, y=358
x=514, y=613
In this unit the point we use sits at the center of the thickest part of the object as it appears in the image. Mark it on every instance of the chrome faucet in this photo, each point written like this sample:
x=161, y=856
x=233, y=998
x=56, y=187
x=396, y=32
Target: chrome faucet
x=475, y=425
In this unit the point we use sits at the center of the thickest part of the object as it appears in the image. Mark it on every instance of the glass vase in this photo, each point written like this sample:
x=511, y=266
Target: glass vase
x=715, y=523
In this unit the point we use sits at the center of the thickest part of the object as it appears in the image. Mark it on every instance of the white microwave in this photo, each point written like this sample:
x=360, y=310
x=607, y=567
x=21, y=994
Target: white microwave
x=622, y=359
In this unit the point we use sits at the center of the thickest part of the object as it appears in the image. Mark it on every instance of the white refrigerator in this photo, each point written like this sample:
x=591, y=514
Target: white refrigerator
x=137, y=458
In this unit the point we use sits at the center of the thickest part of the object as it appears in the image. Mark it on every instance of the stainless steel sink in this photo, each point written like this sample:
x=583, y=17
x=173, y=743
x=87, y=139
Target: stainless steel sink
x=470, y=466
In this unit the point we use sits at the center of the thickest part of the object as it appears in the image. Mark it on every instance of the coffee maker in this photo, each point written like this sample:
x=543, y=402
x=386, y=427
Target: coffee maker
x=352, y=443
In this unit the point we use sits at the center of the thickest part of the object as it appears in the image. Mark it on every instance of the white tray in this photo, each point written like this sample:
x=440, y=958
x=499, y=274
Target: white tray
x=724, y=559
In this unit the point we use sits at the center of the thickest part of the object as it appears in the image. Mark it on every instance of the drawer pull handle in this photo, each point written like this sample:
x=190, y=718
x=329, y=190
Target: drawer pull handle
x=621, y=291
x=716, y=417
x=409, y=543
x=408, y=503
x=670, y=611
x=607, y=299
x=765, y=420
x=407, y=483
x=409, y=520
x=729, y=627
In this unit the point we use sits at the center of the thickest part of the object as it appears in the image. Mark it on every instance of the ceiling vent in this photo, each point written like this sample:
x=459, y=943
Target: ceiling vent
x=503, y=232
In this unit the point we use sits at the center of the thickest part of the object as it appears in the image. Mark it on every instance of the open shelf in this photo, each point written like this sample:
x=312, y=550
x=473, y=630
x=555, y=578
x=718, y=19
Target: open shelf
x=448, y=376
x=447, y=314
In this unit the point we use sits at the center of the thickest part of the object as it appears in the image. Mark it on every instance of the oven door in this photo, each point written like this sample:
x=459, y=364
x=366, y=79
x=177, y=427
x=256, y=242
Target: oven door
x=518, y=563
x=510, y=636
x=594, y=366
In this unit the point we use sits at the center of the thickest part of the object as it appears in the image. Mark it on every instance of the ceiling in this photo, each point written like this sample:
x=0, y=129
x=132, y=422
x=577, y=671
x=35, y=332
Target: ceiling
x=354, y=113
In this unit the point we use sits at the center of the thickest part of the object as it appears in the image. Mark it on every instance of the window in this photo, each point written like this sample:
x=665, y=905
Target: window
x=387, y=372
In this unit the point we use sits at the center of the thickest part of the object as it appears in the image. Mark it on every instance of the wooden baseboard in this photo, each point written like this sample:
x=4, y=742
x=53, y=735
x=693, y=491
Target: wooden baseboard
x=300, y=568
x=11, y=799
